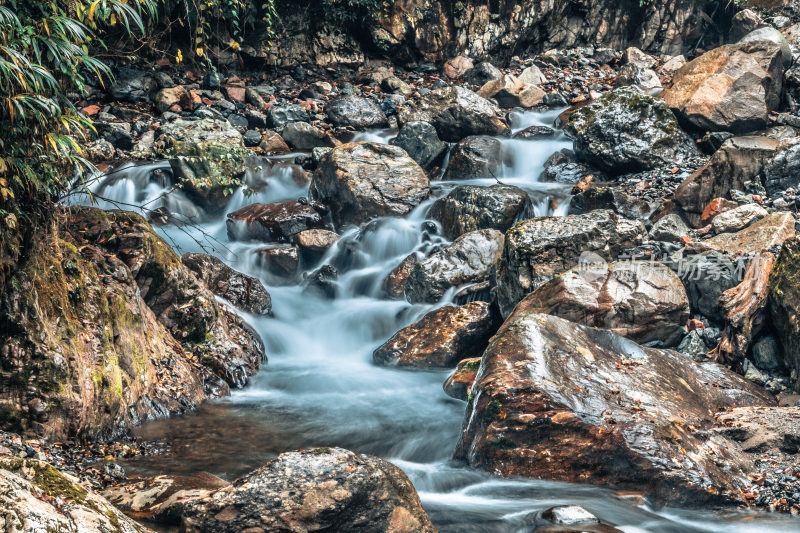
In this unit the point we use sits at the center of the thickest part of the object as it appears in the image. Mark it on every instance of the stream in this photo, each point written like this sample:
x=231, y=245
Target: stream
x=320, y=387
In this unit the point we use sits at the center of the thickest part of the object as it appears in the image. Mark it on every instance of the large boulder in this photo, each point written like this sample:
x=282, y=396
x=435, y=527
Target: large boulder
x=275, y=222
x=356, y=112
x=731, y=88
x=469, y=259
x=132, y=85
x=421, y=143
x=784, y=306
x=108, y=328
x=643, y=301
x=627, y=131
x=456, y=112
x=558, y=400
x=538, y=249
x=313, y=490
x=471, y=207
x=361, y=181
x=37, y=498
x=477, y=156
x=207, y=158
x=243, y=291
x=736, y=164
x=441, y=338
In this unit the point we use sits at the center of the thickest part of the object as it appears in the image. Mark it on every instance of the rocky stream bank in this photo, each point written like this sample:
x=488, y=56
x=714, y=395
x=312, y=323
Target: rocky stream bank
x=594, y=248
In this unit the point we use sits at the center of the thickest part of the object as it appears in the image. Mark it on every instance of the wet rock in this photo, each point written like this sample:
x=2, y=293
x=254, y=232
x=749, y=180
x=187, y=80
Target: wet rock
x=362, y=181
x=669, y=228
x=563, y=167
x=394, y=284
x=509, y=92
x=116, y=133
x=477, y=156
x=304, y=136
x=619, y=199
x=784, y=300
x=643, y=301
x=441, y=338
x=538, y=249
x=570, y=515
x=459, y=383
x=738, y=218
x=558, y=400
x=275, y=222
x=770, y=231
x=280, y=115
x=36, y=497
x=706, y=276
x=468, y=260
x=322, y=282
x=627, y=131
x=736, y=164
x=206, y=156
x=421, y=143
x=132, y=85
x=313, y=243
x=317, y=489
x=280, y=260
x=535, y=132
x=469, y=207
x=356, y=112
x=159, y=499
x=456, y=113
x=483, y=73
x=243, y=291
x=731, y=88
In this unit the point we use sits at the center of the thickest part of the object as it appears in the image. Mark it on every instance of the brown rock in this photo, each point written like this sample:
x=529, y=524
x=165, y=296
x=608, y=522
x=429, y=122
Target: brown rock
x=395, y=283
x=715, y=207
x=315, y=242
x=557, y=400
x=276, y=222
x=770, y=231
x=731, y=88
x=237, y=94
x=458, y=66
x=441, y=338
x=272, y=143
x=166, y=98
x=459, y=383
x=241, y=290
x=280, y=260
x=640, y=300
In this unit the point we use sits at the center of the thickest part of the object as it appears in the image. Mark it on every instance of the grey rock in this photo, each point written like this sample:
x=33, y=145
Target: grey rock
x=356, y=112
x=421, y=143
x=470, y=207
x=669, y=228
x=243, y=291
x=280, y=115
x=468, y=260
x=477, y=156
x=706, y=276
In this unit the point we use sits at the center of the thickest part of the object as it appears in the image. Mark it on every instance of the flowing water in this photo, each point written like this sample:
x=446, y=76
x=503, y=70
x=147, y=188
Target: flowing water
x=320, y=387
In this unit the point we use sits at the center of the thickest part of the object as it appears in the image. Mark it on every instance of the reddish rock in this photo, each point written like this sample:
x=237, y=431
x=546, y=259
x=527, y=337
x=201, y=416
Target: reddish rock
x=395, y=282
x=90, y=110
x=236, y=94
x=275, y=222
x=717, y=206
x=441, y=338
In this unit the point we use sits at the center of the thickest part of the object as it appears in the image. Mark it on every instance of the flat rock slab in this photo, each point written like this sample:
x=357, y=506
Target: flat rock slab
x=770, y=231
